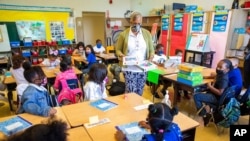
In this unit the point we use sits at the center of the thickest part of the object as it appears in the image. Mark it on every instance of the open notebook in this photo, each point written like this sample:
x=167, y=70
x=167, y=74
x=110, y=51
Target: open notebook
x=173, y=61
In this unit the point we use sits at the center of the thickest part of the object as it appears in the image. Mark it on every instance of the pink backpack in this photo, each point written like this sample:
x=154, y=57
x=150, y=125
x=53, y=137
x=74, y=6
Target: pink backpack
x=68, y=93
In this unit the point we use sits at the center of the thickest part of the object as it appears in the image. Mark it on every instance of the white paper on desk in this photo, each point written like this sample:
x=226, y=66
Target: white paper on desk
x=93, y=119
x=103, y=105
x=141, y=107
x=128, y=60
x=100, y=122
x=133, y=130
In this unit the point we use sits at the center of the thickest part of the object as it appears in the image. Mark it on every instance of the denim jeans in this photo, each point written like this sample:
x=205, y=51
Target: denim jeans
x=207, y=98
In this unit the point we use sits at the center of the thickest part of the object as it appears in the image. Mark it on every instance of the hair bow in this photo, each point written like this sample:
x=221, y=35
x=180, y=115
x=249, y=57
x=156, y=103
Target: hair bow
x=53, y=52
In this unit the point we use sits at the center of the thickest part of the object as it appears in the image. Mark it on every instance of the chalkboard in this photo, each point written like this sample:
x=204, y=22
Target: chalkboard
x=5, y=43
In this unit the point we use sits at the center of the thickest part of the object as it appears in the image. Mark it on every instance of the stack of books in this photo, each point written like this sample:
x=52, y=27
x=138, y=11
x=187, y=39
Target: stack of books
x=190, y=74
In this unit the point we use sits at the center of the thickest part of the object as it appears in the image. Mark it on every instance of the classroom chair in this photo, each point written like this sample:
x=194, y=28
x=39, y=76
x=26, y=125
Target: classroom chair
x=110, y=49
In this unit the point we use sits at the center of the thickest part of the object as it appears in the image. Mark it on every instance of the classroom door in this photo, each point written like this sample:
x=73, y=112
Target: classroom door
x=93, y=27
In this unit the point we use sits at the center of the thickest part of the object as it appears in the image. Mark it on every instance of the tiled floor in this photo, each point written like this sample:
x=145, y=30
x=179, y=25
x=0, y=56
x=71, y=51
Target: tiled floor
x=185, y=106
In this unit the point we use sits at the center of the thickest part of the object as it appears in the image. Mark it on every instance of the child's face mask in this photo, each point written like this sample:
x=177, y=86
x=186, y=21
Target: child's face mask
x=99, y=45
x=160, y=52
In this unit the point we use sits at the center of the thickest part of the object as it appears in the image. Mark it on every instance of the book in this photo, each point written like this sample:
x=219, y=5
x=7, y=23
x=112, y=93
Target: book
x=172, y=61
x=132, y=131
x=128, y=60
x=190, y=67
x=103, y=104
x=146, y=66
x=14, y=125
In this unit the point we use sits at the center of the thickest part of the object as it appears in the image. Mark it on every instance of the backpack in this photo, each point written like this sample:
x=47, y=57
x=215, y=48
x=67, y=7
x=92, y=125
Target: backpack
x=229, y=113
x=68, y=93
x=243, y=99
x=117, y=88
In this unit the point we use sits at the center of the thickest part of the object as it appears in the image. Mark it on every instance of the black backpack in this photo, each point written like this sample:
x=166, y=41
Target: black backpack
x=117, y=88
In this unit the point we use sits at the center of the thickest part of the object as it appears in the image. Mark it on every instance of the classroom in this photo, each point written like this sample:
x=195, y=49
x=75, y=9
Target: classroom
x=120, y=70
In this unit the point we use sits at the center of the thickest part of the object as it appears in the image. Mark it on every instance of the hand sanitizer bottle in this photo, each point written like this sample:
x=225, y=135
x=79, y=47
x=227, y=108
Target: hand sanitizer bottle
x=166, y=99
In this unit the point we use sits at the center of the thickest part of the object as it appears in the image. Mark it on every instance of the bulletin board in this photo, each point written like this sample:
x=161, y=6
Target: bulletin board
x=46, y=16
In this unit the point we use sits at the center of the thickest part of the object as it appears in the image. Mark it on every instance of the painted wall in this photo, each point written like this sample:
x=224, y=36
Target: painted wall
x=145, y=6
x=116, y=9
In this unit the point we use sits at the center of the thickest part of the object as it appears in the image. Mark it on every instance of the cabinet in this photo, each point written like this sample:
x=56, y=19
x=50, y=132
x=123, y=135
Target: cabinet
x=199, y=58
x=36, y=54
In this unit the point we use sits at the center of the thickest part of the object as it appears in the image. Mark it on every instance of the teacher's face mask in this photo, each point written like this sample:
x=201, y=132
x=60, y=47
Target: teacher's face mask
x=136, y=28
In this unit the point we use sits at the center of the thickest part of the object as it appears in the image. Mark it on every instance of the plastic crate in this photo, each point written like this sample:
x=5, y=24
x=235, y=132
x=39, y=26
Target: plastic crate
x=62, y=51
x=27, y=44
x=26, y=54
x=15, y=44
x=66, y=42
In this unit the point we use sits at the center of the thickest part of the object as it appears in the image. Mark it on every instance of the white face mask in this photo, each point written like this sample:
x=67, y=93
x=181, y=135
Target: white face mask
x=136, y=28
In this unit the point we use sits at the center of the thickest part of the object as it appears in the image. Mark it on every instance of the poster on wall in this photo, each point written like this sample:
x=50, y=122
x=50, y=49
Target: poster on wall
x=197, y=22
x=33, y=29
x=57, y=30
x=165, y=22
x=178, y=22
x=220, y=21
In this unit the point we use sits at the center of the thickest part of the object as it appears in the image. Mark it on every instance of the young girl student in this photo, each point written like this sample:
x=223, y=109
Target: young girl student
x=35, y=98
x=95, y=87
x=17, y=69
x=79, y=49
x=66, y=96
x=90, y=58
x=53, y=60
x=160, y=123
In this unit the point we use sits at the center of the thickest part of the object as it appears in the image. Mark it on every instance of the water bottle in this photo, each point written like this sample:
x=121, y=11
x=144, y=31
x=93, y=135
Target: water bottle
x=166, y=99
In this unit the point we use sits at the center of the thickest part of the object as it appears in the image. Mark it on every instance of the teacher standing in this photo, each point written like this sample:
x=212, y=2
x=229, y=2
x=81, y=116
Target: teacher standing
x=135, y=42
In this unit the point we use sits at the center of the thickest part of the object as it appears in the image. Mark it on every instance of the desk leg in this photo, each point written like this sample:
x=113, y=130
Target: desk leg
x=189, y=135
x=175, y=94
x=10, y=97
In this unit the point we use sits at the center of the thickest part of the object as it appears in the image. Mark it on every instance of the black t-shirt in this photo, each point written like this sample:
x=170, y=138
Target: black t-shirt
x=221, y=82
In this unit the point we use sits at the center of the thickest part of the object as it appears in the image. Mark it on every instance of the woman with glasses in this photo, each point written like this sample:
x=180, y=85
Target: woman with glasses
x=134, y=42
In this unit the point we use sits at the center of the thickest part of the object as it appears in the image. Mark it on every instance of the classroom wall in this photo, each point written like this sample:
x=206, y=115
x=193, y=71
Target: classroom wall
x=116, y=9
x=144, y=6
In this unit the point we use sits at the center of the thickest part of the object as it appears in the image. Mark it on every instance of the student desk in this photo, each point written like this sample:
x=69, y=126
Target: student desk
x=182, y=86
x=10, y=82
x=78, y=114
x=108, y=58
x=78, y=133
x=77, y=59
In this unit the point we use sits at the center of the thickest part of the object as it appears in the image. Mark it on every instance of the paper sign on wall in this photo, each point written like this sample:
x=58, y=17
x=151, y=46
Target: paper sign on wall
x=33, y=29
x=165, y=22
x=197, y=22
x=220, y=21
x=178, y=22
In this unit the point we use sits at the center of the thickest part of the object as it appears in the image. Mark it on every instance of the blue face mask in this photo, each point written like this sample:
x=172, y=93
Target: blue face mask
x=98, y=45
x=160, y=52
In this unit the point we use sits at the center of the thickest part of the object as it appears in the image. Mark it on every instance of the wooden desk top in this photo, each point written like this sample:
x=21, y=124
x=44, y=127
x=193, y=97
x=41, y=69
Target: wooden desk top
x=167, y=71
x=77, y=114
x=9, y=80
x=34, y=119
x=107, y=56
x=51, y=72
x=78, y=133
x=4, y=61
x=81, y=59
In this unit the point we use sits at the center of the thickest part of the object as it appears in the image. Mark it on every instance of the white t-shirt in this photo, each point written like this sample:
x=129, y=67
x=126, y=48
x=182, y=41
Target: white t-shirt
x=47, y=62
x=98, y=50
x=93, y=91
x=18, y=75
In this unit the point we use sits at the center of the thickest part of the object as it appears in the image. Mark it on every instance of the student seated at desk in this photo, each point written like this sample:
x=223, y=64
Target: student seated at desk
x=79, y=49
x=17, y=69
x=35, y=98
x=53, y=130
x=66, y=95
x=52, y=61
x=160, y=123
x=98, y=48
x=235, y=77
x=90, y=58
x=215, y=91
x=95, y=88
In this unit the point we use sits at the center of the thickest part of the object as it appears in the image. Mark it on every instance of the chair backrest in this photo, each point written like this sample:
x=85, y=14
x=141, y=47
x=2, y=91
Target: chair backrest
x=110, y=49
x=228, y=93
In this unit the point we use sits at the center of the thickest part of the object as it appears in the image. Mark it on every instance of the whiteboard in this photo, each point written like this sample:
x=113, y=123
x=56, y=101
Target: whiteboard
x=5, y=44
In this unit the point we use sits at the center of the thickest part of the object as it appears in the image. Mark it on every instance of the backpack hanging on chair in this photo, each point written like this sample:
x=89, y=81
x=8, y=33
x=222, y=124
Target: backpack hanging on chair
x=67, y=93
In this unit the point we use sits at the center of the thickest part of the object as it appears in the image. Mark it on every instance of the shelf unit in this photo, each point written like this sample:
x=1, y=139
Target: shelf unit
x=36, y=54
x=199, y=58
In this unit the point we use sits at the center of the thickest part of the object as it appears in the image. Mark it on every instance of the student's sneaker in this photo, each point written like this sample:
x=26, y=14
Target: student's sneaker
x=206, y=119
